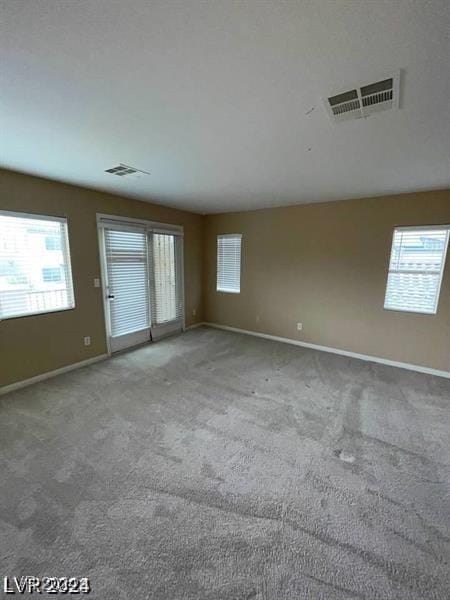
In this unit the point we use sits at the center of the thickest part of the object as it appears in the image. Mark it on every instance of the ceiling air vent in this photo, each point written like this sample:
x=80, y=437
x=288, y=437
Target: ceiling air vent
x=364, y=100
x=126, y=171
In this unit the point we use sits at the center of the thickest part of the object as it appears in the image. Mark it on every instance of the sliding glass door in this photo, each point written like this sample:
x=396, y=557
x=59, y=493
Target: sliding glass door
x=143, y=283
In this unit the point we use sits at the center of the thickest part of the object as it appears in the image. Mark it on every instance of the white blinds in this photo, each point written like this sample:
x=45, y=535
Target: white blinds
x=415, y=269
x=229, y=263
x=35, y=271
x=126, y=262
x=165, y=278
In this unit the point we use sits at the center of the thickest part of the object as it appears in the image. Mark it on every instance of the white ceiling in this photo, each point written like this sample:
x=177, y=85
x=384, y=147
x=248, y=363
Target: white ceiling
x=220, y=100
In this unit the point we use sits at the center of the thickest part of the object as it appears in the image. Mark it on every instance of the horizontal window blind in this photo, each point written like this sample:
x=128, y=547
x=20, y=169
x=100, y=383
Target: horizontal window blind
x=165, y=278
x=415, y=269
x=229, y=263
x=35, y=270
x=127, y=270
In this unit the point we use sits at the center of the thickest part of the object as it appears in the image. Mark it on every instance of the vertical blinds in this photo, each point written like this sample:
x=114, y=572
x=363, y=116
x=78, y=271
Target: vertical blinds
x=229, y=263
x=165, y=278
x=415, y=269
x=126, y=262
x=35, y=271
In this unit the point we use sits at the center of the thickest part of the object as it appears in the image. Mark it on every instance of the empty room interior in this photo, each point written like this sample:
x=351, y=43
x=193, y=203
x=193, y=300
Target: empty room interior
x=225, y=299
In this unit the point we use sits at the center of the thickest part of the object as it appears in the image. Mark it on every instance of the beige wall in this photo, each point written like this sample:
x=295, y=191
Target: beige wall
x=322, y=264
x=36, y=344
x=326, y=266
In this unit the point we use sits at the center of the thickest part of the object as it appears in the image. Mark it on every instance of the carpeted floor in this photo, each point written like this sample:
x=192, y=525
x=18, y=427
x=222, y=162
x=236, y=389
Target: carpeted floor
x=220, y=466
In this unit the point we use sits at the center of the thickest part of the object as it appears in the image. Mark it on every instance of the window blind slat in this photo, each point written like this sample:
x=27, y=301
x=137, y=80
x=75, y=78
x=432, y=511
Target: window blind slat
x=415, y=269
x=229, y=263
x=35, y=270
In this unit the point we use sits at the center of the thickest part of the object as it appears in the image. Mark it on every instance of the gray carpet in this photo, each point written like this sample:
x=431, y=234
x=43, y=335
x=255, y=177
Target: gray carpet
x=219, y=466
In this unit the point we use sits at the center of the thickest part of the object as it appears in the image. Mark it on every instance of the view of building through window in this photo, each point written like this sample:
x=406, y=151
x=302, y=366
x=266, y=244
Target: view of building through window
x=35, y=271
x=415, y=269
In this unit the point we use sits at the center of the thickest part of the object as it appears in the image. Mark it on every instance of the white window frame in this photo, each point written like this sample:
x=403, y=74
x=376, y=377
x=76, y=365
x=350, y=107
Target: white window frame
x=417, y=272
x=67, y=257
x=222, y=236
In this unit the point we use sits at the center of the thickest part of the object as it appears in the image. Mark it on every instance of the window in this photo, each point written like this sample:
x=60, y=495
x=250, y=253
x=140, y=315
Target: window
x=229, y=263
x=415, y=269
x=34, y=277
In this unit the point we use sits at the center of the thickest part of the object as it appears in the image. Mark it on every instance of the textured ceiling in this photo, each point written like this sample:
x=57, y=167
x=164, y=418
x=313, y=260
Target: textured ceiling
x=220, y=101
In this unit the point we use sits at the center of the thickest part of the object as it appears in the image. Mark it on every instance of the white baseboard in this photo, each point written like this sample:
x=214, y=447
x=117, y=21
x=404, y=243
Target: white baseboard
x=383, y=361
x=17, y=385
x=366, y=357
x=194, y=326
x=25, y=382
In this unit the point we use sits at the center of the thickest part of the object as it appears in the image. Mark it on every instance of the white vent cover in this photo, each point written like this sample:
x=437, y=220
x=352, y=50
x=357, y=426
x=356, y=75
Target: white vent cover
x=364, y=100
x=126, y=171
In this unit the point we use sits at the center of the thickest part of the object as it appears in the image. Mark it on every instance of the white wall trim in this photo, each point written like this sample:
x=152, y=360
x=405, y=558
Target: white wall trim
x=384, y=361
x=366, y=357
x=26, y=382
x=17, y=385
x=195, y=325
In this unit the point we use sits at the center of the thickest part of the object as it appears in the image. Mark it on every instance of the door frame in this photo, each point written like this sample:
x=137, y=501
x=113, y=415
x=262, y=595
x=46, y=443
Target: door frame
x=151, y=226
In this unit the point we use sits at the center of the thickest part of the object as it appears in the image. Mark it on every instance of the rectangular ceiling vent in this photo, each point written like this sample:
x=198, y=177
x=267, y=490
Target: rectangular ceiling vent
x=126, y=171
x=364, y=100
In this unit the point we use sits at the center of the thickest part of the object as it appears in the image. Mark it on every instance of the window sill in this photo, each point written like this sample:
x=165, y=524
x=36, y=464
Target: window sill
x=34, y=314
x=408, y=310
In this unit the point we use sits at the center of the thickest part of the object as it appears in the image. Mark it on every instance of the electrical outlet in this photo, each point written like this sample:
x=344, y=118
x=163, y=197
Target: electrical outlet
x=96, y=282
x=299, y=326
x=258, y=318
x=194, y=312
x=87, y=340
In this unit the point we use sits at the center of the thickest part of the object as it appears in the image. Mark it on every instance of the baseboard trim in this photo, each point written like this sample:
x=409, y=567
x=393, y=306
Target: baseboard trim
x=17, y=385
x=365, y=357
x=375, y=359
x=26, y=382
x=194, y=326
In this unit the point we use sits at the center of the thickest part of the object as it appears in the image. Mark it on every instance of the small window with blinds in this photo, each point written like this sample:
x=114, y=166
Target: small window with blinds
x=35, y=271
x=229, y=263
x=416, y=268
